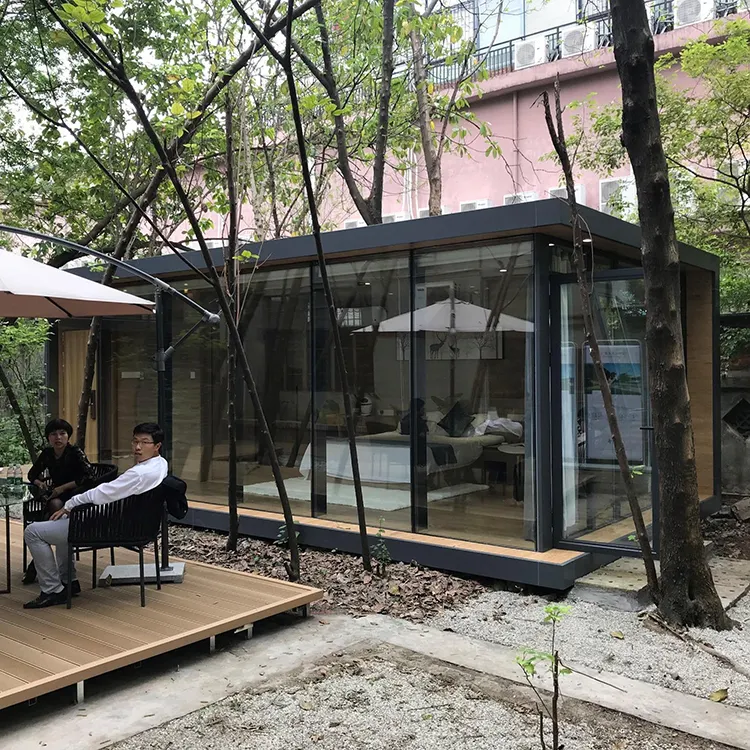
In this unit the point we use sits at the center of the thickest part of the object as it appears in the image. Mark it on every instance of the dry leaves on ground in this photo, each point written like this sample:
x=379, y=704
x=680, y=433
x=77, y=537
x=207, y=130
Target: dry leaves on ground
x=408, y=591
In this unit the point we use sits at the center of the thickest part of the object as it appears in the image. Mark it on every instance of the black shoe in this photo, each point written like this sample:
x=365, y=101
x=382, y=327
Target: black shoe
x=30, y=575
x=76, y=588
x=47, y=600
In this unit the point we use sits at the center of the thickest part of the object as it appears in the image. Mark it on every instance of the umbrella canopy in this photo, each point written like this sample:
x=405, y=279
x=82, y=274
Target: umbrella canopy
x=468, y=319
x=29, y=289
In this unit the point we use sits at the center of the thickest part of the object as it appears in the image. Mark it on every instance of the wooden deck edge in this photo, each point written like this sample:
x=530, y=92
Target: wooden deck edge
x=552, y=557
x=133, y=656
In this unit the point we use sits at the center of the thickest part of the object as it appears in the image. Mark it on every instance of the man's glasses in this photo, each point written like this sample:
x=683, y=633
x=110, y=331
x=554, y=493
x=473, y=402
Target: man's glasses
x=136, y=443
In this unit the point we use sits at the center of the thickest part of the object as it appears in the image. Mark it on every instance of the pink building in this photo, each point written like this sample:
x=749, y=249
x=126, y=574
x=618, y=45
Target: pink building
x=520, y=69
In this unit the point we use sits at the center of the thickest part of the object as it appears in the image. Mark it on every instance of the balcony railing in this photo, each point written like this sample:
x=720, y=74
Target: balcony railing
x=577, y=38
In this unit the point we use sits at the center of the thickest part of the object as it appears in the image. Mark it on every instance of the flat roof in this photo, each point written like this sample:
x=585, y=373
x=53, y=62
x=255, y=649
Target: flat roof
x=550, y=217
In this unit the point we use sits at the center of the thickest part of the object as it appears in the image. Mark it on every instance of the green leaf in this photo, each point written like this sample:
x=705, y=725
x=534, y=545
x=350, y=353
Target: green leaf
x=719, y=696
x=96, y=16
x=618, y=634
x=105, y=28
x=177, y=109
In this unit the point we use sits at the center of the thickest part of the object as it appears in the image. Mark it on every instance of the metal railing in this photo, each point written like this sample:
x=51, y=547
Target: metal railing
x=558, y=42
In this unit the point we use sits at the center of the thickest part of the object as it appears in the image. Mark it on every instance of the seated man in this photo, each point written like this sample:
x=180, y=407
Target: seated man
x=149, y=471
x=67, y=470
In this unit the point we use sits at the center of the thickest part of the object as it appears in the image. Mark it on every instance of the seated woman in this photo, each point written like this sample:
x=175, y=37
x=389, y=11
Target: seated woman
x=61, y=471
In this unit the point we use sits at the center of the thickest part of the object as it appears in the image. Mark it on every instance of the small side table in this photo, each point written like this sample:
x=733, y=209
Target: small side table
x=516, y=453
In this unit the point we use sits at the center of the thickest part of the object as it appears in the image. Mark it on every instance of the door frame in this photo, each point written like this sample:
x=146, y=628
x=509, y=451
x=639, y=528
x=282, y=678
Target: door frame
x=556, y=282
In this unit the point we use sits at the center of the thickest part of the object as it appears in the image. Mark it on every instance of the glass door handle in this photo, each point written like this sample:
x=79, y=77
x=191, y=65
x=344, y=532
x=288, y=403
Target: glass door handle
x=648, y=427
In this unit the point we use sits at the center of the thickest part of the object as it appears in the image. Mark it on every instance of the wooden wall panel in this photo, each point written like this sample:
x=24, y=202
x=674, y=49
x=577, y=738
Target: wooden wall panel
x=72, y=360
x=700, y=371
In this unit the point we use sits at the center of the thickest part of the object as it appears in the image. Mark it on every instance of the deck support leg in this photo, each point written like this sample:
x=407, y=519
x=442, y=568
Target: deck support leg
x=303, y=611
x=246, y=632
x=212, y=644
x=80, y=695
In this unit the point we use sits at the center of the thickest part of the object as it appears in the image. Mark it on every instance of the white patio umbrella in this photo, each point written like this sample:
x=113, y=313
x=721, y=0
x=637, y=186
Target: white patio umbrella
x=29, y=289
x=467, y=318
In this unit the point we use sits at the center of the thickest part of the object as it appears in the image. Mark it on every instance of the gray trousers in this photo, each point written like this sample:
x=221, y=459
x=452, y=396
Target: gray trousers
x=40, y=537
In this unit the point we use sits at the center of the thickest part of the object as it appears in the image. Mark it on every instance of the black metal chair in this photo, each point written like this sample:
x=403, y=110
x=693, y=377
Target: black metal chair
x=35, y=508
x=133, y=523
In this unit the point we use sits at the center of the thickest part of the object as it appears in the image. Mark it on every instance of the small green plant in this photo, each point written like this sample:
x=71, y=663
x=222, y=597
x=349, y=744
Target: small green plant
x=530, y=660
x=282, y=538
x=380, y=552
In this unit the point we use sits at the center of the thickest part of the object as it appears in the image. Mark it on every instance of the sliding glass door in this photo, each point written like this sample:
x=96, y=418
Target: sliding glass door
x=591, y=505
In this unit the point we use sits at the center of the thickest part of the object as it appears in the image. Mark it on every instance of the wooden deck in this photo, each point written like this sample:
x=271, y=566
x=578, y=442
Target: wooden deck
x=44, y=650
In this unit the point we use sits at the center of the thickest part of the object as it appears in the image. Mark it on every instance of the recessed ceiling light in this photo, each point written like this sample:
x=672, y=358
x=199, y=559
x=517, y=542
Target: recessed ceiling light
x=587, y=240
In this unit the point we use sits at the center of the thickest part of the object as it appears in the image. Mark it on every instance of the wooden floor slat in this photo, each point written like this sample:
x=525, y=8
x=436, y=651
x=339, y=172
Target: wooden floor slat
x=45, y=650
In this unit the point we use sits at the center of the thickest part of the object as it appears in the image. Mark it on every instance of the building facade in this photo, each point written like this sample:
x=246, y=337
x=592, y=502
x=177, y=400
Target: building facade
x=532, y=44
x=481, y=437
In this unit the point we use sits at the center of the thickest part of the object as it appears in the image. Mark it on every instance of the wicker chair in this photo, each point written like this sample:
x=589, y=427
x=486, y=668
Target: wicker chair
x=133, y=523
x=34, y=509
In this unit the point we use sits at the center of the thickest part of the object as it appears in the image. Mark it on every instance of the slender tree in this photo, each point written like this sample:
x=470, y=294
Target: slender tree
x=286, y=63
x=688, y=594
x=231, y=250
x=85, y=32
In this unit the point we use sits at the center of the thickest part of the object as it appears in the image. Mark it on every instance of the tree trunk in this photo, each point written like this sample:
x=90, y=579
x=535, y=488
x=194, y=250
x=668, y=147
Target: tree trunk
x=688, y=594
x=84, y=402
x=10, y=394
x=230, y=267
x=432, y=162
x=557, y=136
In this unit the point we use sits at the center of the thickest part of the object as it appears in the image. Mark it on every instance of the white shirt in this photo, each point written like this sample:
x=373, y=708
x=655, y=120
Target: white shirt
x=141, y=478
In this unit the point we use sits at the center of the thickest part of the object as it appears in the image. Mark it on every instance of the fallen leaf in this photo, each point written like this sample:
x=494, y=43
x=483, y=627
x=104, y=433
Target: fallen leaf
x=394, y=589
x=426, y=717
x=306, y=705
x=323, y=622
x=719, y=696
x=618, y=634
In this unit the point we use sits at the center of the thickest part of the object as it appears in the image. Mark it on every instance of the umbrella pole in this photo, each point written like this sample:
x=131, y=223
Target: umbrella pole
x=161, y=408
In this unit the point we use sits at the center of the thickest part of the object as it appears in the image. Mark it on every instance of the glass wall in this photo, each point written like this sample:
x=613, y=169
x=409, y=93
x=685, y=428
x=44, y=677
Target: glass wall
x=439, y=350
x=197, y=370
x=275, y=326
x=373, y=300
x=473, y=347
x=129, y=373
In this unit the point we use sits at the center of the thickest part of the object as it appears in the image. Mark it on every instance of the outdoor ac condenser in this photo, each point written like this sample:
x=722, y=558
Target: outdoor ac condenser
x=577, y=40
x=529, y=52
x=687, y=12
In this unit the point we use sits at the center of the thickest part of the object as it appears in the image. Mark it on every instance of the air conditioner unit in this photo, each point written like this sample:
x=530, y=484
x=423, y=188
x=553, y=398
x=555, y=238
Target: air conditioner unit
x=528, y=52
x=577, y=40
x=620, y=188
x=473, y=205
x=354, y=223
x=515, y=198
x=393, y=218
x=687, y=12
x=561, y=193
x=423, y=213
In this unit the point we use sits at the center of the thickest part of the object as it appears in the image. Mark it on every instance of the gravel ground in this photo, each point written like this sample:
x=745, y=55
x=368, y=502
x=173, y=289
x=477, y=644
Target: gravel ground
x=585, y=638
x=397, y=700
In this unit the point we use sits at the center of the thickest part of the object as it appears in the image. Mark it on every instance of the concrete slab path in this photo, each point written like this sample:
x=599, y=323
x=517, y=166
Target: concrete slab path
x=147, y=703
